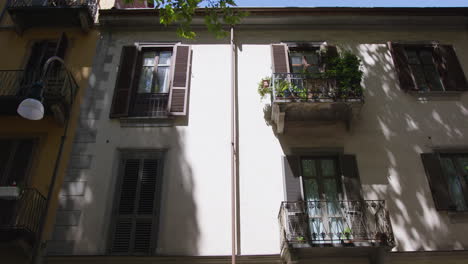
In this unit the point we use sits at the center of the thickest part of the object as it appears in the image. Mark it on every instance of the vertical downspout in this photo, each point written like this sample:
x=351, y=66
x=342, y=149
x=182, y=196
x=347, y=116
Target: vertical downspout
x=234, y=178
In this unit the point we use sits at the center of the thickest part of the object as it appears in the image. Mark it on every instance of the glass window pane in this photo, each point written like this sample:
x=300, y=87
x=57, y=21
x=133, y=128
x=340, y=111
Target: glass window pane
x=412, y=57
x=336, y=228
x=311, y=192
x=165, y=58
x=330, y=188
x=146, y=80
x=426, y=57
x=432, y=75
x=328, y=167
x=317, y=229
x=308, y=168
x=148, y=58
x=455, y=186
x=418, y=74
x=296, y=58
x=162, y=79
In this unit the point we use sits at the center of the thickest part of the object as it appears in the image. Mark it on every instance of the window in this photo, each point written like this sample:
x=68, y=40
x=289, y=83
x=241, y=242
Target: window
x=134, y=231
x=41, y=51
x=15, y=159
x=304, y=60
x=152, y=81
x=447, y=174
x=427, y=68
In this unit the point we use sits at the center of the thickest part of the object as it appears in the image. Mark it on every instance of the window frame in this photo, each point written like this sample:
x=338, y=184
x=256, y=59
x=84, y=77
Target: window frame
x=418, y=48
x=123, y=155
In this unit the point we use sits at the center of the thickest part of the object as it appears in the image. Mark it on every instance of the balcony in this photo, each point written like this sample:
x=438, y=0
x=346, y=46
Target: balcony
x=300, y=100
x=15, y=85
x=341, y=228
x=19, y=220
x=49, y=13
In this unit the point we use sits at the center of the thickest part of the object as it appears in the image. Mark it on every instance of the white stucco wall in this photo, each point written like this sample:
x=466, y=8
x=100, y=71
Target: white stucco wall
x=387, y=138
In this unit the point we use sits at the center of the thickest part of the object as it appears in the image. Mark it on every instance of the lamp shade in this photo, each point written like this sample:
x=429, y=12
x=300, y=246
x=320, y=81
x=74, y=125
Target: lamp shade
x=31, y=109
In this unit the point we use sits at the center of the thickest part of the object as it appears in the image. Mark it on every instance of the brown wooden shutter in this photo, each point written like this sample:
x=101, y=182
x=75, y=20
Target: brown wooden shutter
x=437, y=182
x=280, y=58
x=178, y=96
x=402, y=67
x=450, y=69
x=123, y=86
x=135, y=226
x=351, y=180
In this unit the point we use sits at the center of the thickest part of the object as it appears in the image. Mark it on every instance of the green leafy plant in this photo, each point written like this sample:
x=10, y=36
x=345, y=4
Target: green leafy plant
x=345, y=68
x=217, y=14
x=346, y=233
x=264, y=89
x=300, y=239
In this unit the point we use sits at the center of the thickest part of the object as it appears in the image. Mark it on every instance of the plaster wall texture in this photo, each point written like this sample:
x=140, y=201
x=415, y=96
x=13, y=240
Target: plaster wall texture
x=391, y=131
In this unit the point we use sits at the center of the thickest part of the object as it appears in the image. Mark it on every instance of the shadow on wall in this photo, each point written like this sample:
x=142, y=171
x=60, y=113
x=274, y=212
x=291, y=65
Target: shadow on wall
x=389, y=135
x=86, y=197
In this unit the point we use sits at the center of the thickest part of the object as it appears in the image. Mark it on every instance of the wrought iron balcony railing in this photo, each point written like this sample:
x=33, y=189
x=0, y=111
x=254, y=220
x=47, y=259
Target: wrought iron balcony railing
x=288, y=87
x=20, y=218
x=150, y=105
x=59, y=83
x=91, y=5
x=345, y=223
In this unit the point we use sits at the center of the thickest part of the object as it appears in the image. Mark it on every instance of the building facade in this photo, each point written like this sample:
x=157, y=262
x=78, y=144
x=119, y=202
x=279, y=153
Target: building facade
x=322, y=172
x=31, y=33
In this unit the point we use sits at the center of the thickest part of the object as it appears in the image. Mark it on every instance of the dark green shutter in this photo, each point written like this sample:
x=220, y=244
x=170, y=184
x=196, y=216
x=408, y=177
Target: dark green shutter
x=437, y=181
x=123, y=86
x=402, y=66
x=15, y=159
x=450, y=69
x=136, y=213
x=351, y=180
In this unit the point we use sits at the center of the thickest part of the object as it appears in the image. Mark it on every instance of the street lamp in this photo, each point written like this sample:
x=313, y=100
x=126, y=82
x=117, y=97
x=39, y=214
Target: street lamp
x=32, y=108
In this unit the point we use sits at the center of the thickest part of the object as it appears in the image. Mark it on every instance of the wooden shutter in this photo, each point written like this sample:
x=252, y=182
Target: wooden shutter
x=402, y=66
x=280, y=60
x=135, y=226
x=450, y=69
x=437, y=182
x=178, y=96
x=123, y=86
x=351, y=180
x=292, y=183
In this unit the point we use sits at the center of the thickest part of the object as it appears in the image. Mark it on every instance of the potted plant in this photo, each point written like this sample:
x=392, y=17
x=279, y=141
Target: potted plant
x=264, y=87
x=346, y=236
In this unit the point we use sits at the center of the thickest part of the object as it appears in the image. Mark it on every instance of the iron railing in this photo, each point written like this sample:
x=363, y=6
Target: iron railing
x=150, y=105
x=24, y=213
x=308, y=87
x=318, y=223
x=91, y=5
x=58, y=83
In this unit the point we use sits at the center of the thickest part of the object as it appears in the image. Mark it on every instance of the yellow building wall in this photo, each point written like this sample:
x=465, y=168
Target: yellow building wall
x=79, y=56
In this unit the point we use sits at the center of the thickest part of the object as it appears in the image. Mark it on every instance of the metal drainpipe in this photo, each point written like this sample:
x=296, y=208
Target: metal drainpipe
x=234, y=179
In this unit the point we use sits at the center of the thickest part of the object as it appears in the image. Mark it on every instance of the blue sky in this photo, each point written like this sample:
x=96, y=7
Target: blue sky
x=352, y=3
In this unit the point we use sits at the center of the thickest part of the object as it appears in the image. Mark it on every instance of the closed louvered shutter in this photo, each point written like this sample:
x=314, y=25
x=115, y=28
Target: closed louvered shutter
x=292, y=183
x=135, y=217
x=280, y=58
x=402, y=66
x=450, y=69
x=178, y=97
x=437, y=182
x=123, y=86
